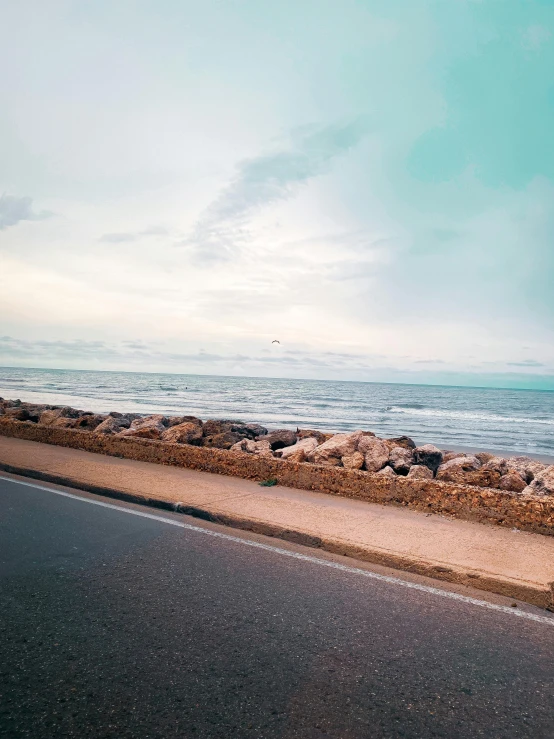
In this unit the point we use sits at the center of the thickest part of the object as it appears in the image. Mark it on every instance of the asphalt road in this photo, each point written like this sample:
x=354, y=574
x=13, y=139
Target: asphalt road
x=115, y=625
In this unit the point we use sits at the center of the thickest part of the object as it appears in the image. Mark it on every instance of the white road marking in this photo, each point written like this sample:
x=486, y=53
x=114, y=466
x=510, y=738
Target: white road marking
x=296, y=555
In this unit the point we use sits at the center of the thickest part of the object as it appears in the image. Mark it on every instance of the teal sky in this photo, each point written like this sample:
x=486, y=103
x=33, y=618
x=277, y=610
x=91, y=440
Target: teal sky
x=371, y=183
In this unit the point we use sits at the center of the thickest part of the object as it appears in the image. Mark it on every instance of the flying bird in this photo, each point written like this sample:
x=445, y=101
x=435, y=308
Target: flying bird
x=275, y=341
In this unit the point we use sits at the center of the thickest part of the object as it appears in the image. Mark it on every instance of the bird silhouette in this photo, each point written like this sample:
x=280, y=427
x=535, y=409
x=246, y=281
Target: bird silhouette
x=275, y=341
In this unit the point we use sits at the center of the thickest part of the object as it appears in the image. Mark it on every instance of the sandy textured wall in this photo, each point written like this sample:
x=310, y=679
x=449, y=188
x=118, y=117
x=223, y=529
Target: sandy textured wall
x=530, y=513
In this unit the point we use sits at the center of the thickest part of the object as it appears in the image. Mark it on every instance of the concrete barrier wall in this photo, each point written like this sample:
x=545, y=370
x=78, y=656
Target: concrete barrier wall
x=529, y=513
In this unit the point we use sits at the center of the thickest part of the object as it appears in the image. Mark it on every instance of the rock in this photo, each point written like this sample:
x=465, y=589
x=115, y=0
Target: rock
x=354, y=461
x=376, y=452
x=11, y=403
x=149, y=427
x=188, y=432
x=543, y=483
x=89, y=421
x=429, y=456
x=48, y=417
x=338, y=446
x=403, y=441
x=465, y=464
x=311, y=434
x=126, y=416
x=468, y=471
x=401, y=459
x=302, y=448
x=213, y=427
x=512, y=482
x=420, y=472
x=484, y=457
x=497, y=464
x=387, y=472
x=447, y=456
x=254, y=429
x=179, y=420
x=112, y=425
x=17, y=413
x=36, y=410
x=527, y=467
x=261, y=448
x=298, y=456
x=280, y=438
x=225, y=440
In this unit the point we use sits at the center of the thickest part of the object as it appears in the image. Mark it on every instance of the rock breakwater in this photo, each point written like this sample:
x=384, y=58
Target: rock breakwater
x=359, y=450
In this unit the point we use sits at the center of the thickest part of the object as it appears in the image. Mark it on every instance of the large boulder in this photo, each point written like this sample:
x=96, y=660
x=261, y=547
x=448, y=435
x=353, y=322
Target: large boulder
x=527, y=467
x=420, y=472
x=261, y=448
x=311, y=434
x=447, y=455
x=178, y=420
x=48, y=417
x=403, y=441
x=543, y=483
x=188, y=432
x=484, y=457
x=401, y=459
x=216, y=427
x=126, y=416
x=18, y=413
x=224, y=440
x=387, y=472
x=255, y=429
x=376, y=452
x=298, y=452
x=280, y=438
x=512, y=482
x=89, y=421
x=10, y=403
x=113, y=425
x=354, y=461
x=149, y=427
x=498, y=464
x=338, y=446
x=429, y=456
x=468, y=471
x=466, y=463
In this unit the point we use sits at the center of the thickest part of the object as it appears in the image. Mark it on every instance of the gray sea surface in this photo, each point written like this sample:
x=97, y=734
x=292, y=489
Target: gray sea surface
x=515, y=421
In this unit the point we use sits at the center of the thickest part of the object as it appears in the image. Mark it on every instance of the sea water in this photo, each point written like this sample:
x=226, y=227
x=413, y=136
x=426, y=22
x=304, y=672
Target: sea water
x=517, y=421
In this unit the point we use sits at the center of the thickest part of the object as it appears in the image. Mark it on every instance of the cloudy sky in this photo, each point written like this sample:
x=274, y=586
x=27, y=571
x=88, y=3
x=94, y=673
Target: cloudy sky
x=369, y=181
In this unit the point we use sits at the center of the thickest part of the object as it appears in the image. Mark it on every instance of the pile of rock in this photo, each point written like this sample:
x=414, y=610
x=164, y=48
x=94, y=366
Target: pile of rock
x=358, y=450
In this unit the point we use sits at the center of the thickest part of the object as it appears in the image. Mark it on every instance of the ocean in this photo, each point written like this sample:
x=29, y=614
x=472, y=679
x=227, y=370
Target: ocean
x=515, y=421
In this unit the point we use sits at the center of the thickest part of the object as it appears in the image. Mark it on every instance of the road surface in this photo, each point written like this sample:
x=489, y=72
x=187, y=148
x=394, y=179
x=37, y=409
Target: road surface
x=114, y=624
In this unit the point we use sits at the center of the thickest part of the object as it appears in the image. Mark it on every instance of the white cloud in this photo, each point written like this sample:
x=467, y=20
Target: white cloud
x=535, y=37
x=267, y=179
x=14, y=209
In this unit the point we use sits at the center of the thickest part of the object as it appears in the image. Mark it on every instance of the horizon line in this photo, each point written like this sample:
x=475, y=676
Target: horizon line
x=293, y=379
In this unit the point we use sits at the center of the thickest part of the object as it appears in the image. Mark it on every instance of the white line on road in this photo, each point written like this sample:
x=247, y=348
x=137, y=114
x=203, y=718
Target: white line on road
x=296, y=555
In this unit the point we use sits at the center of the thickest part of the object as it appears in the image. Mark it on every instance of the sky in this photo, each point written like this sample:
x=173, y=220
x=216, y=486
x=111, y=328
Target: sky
x=369, y=182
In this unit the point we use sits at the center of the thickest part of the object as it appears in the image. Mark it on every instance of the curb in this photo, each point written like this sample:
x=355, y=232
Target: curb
x=535, y=595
